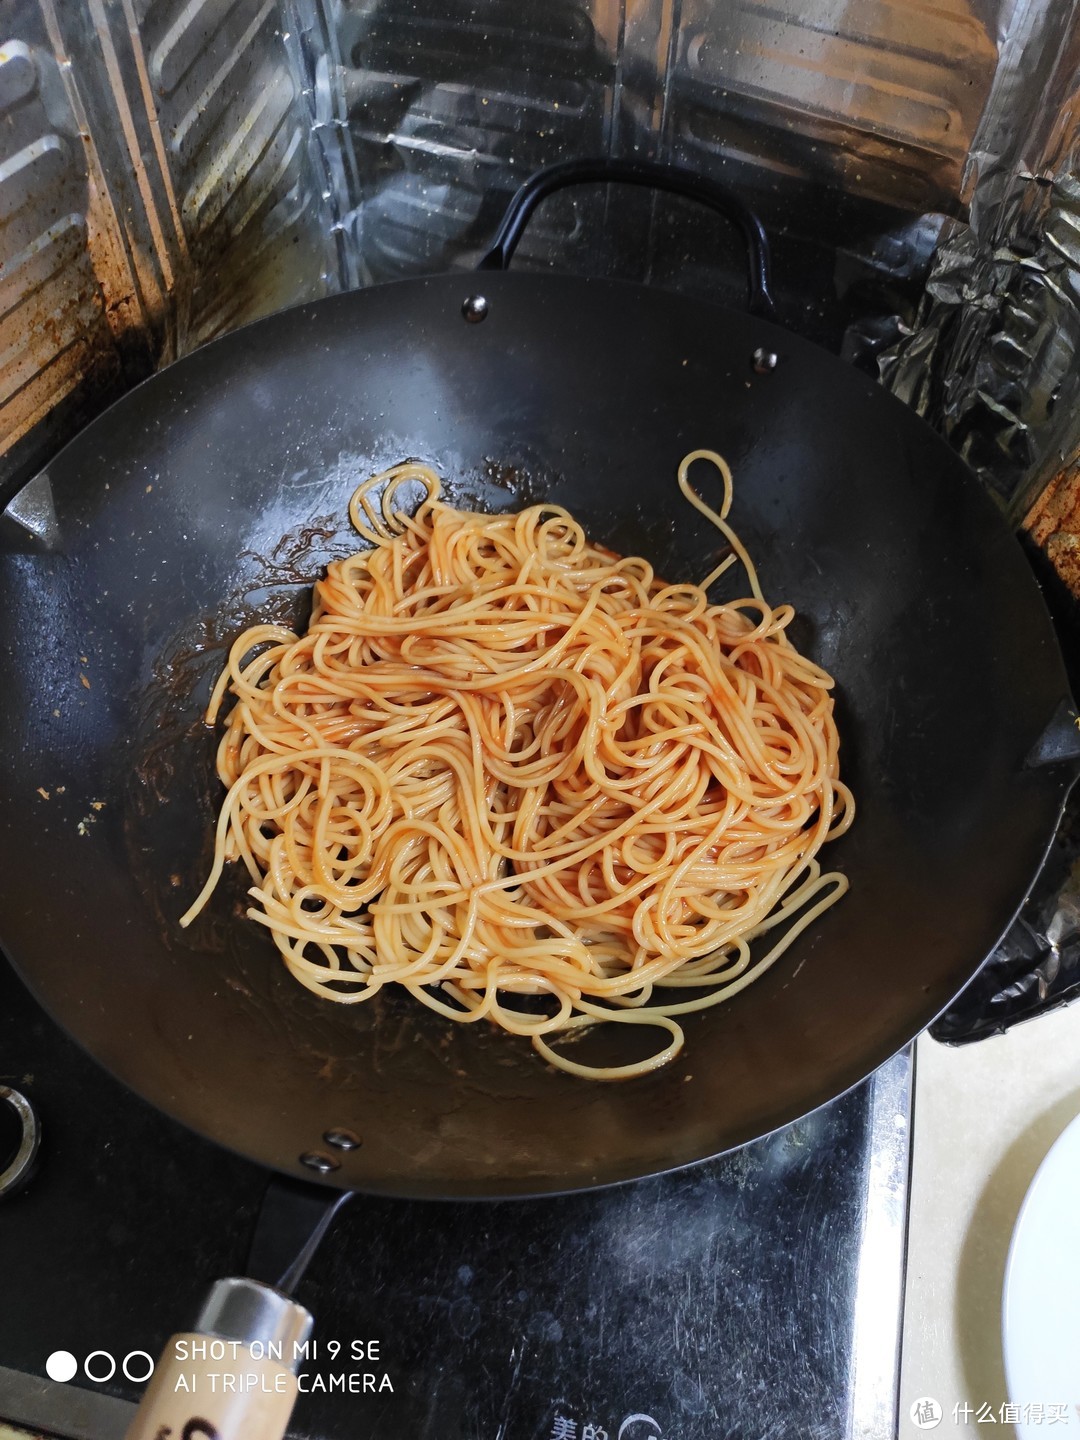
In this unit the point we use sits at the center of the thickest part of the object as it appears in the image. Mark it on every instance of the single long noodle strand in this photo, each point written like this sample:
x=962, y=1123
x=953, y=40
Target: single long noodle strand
x=524, y=779
x=720, y=521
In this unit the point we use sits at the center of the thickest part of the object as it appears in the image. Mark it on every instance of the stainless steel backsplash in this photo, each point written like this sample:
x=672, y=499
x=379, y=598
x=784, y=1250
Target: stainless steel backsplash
x=170, y=169
x=159, y=183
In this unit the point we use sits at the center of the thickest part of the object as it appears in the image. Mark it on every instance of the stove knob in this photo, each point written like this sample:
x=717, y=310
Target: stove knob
x=21, y=1166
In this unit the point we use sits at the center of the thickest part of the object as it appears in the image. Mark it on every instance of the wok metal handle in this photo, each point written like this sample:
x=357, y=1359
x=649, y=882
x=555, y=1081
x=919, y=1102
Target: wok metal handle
x=654, y=176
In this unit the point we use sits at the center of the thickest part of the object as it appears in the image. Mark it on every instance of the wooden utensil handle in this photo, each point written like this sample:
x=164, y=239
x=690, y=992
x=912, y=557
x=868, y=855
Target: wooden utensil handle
x=235, y=1398
x=234, y=1376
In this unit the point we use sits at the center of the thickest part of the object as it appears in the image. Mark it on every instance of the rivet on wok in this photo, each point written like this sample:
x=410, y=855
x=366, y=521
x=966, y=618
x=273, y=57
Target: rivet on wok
x=316, y=1160
x=475, y=309
x=342, y=1139
x=765, y=360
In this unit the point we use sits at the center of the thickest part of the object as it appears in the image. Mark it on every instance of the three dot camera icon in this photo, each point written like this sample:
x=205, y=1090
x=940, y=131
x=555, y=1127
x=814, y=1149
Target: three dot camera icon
x=926, y=1413
x=99, y=1366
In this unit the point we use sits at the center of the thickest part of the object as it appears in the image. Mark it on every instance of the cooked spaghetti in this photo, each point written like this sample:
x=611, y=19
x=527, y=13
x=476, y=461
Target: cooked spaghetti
x=525, y=779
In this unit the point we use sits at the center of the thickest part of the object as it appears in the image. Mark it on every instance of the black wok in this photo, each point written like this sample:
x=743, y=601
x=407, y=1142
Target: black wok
x=213, y=492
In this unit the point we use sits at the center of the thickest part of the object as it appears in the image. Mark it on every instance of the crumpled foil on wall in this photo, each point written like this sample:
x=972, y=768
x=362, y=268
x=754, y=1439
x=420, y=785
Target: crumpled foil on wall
x=991, y=360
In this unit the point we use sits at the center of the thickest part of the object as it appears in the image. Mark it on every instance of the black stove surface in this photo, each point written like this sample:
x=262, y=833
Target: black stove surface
x=756, y=1295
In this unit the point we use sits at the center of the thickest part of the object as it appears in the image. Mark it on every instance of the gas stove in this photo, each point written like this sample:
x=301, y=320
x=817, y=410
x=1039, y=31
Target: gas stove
x=757, y=1294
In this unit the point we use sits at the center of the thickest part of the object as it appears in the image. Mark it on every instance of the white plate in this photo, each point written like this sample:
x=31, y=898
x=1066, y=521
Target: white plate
x=1041, y=1302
